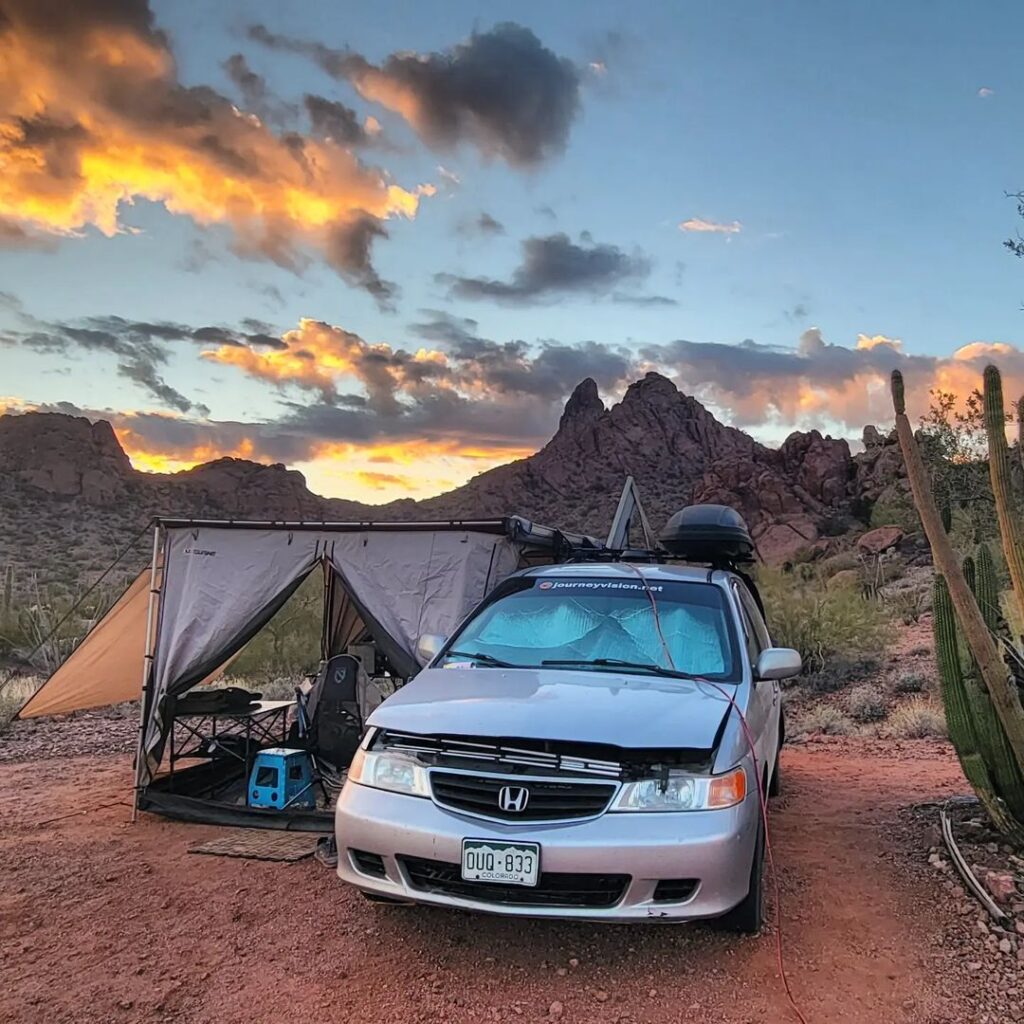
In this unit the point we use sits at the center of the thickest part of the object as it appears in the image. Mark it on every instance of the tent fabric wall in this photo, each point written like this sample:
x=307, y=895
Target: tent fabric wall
x=409, y=583
x=221, y=586
x=106, y=667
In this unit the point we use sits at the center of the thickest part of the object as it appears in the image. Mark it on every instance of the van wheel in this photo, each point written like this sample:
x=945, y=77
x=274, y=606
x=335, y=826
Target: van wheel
x=775, y=785
x=747, y=917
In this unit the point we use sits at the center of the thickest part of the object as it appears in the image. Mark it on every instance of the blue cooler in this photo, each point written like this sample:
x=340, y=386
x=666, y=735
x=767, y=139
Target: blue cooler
x=281, y=778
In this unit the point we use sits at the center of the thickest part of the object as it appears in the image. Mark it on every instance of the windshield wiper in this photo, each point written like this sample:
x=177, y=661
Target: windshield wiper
x=641, y=666
x=485, y=659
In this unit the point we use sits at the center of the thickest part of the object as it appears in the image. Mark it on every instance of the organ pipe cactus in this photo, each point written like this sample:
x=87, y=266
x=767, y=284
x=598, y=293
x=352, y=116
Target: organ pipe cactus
x=999, y=469
x=991, y=672
x=962, y=721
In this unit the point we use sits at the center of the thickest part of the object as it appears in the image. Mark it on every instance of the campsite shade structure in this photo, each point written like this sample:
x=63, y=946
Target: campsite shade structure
x=213, y=585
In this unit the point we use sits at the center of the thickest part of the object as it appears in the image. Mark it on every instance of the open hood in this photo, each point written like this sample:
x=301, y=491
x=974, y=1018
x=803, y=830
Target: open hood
x=544, y=704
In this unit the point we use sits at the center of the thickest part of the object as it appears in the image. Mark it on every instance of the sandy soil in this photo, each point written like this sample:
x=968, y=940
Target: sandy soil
x=104, y=921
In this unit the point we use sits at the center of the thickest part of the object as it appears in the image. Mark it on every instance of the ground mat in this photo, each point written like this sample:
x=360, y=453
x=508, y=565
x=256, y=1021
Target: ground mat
x=259, y=844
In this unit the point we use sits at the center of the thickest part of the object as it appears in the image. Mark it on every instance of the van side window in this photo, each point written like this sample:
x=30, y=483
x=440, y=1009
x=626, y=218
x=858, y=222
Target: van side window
x=749, y=632
x=754, y=615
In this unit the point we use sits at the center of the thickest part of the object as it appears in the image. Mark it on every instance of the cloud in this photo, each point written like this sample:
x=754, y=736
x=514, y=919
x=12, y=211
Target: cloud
x=701, y=226
x=333, y=120
x=141, y=346
x=94, y=117
x=14, y=236
x=554, y=265
x=984, y=92
x=501, y=91
x=483, y=224
x=753, y=385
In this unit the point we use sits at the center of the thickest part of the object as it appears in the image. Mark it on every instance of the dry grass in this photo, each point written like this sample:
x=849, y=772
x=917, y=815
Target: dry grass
x=13, y=695
x=917, y=719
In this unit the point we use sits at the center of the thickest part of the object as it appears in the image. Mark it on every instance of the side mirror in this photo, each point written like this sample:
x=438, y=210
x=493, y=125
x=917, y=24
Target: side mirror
x=778, y=663
x=429, y=646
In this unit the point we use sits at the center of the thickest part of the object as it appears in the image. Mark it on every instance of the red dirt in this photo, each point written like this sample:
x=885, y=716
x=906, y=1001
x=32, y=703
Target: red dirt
x=107, y=922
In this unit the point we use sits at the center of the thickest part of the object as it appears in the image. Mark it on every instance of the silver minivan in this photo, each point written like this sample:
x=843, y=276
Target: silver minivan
x=591, y=743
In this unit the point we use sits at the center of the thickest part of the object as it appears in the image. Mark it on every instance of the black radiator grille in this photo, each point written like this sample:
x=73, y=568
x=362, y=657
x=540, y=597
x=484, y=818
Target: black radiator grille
x=546, y=800
x=552, y=889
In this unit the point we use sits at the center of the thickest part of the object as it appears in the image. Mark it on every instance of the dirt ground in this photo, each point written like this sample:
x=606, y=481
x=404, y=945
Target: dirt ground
x=104, y=921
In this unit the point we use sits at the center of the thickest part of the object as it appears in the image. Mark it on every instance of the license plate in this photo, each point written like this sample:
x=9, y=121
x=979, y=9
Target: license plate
x=484, y=860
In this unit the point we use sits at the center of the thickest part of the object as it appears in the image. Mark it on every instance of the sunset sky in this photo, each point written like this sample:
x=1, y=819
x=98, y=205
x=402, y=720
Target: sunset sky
x=382, y=242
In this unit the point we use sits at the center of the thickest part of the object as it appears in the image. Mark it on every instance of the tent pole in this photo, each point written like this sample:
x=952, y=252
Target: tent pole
x=147, y=661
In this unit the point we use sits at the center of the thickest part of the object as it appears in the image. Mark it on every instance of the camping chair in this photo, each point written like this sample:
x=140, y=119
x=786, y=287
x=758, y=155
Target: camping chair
x=328, y=722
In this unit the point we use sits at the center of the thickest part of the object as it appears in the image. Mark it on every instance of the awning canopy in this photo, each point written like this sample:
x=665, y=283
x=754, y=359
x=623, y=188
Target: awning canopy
x=219, y=583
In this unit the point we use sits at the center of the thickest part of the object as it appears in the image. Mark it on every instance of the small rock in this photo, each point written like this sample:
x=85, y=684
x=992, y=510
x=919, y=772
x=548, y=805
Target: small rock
x=601, y=996
x=555, y=1010
x=1005, y=946
x=573, y=962
x=1001, y=884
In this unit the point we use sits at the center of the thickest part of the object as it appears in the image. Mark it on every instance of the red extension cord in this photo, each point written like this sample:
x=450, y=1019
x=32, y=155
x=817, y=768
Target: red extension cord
x=761, y=796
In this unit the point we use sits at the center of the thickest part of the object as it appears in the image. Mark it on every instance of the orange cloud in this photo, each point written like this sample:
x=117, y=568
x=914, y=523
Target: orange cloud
x=317, y=355
x=94, y=118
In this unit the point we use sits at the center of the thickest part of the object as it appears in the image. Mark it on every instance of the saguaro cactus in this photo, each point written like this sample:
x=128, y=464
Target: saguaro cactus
x=993, y=673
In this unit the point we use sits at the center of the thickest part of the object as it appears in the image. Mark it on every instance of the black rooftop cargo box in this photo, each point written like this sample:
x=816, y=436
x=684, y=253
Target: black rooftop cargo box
x=708, y=533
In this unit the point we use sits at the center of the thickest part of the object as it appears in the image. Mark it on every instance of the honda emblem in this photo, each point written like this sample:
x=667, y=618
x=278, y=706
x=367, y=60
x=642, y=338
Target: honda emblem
x=513, y=798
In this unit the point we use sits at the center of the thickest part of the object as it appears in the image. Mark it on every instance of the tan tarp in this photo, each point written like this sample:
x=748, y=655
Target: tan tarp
x=106, y=667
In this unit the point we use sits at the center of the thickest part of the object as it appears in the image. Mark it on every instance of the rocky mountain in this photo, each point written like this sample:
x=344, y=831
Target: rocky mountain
x=69, y=497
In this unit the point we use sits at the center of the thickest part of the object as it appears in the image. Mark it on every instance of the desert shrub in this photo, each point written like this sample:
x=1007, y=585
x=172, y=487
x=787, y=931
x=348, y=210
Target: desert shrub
x=895, y=507
x=824, y=720
x=908, y=605
x=912, y=682
x=866, y=704
x=821, y=623
x=917, y=719
x=289, y=644
x=837, y=673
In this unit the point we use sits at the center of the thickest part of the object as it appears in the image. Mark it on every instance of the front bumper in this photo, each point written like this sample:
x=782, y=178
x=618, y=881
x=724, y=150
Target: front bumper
x=715, y=848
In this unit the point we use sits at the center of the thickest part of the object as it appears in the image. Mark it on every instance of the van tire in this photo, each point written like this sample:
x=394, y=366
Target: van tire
x=747, y=917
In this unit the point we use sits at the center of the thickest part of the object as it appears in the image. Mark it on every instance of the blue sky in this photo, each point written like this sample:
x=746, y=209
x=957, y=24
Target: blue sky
x=862, y=151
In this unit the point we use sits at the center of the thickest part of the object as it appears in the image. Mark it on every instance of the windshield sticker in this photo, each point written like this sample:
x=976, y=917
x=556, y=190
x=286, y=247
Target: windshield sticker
x=597, y=585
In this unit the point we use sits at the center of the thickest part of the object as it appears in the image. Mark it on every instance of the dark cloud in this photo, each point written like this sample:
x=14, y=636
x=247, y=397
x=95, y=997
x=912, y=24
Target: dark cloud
x=483, y=224
x=552, y=265
x=502, y=91
x=141, y=346
x=348, y=251
x=334, y=120
x=644, y=301
x=257, y=95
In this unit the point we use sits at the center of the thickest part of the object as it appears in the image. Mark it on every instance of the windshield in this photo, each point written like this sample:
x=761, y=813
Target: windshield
x=584, y=622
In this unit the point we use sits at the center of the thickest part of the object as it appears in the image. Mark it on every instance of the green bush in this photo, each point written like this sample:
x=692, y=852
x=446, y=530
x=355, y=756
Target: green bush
x=821, y=624
x=895, y=507
x=913, y=682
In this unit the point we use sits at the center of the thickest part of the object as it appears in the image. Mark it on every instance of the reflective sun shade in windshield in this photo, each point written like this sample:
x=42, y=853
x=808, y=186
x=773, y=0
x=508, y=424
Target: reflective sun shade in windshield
x=592, y=619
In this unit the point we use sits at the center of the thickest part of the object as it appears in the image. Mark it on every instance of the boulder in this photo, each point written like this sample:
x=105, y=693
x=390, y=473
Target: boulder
x=843, y=580
x=874, y=542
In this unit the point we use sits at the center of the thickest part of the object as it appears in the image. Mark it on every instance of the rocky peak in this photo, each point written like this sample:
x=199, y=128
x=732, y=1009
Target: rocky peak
x=584, y=405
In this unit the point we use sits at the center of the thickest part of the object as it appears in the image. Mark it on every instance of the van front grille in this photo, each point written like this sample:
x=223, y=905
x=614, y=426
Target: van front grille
x=544, y=800
x=553, y=889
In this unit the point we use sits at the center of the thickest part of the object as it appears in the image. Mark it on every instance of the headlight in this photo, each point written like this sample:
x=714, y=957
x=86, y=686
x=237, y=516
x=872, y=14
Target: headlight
x=394, y=772
x=681, y=791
